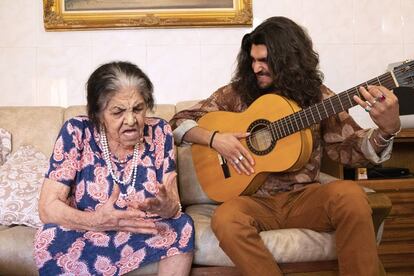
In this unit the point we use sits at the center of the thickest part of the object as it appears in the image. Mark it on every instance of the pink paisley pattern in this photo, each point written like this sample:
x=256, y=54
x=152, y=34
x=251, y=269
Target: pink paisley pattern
x=80, y=191
x=164, y=239
x=121, y=238
x=88, y=156
x=70, y=261
x=76, y=137
x=130, y=259
x=186, y=233
x=97, y=238
x=151, y=184
x=97, y=191
x=42, y=241
x=80, y=166
x=146, y=162
x=172, y=251
x=104, y=266
x=58, y=151
x=159, y=148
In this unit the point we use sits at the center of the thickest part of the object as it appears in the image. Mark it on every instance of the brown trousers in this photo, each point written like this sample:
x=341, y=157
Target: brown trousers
x=341, y=206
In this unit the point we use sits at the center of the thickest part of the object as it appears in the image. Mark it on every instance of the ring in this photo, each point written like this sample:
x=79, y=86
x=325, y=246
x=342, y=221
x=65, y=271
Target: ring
x=241, y=157
x=381, y=98
x=236, y=161
x=368, y=103
x=375, y=100
x=368, y=108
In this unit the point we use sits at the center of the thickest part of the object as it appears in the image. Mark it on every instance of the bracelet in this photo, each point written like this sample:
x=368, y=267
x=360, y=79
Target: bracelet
x=392, y=135
x=378, y=144
x=210, y=144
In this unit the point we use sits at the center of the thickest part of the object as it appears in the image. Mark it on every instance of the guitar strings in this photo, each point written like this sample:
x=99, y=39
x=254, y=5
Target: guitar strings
x=385, y=79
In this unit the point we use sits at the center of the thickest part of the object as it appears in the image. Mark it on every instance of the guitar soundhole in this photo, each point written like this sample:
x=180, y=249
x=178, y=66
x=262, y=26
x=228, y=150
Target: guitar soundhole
x=260, y=141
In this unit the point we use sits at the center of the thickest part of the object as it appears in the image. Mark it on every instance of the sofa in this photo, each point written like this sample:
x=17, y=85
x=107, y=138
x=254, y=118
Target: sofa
x=298, y=251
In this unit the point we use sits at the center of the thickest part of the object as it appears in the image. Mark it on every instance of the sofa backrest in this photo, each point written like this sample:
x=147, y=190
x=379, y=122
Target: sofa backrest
x=36, y=126
x=39, y=127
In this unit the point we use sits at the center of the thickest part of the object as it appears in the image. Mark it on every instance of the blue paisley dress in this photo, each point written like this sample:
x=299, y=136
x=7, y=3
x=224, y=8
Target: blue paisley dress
x=77, y=161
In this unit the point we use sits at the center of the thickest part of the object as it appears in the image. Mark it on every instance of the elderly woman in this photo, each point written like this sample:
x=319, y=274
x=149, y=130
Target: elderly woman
x=109, y=201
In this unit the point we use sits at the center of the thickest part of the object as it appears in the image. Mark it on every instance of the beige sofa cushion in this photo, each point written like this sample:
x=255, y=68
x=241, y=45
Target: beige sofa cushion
x=189, y=187
x=36, y=126
x=286, y=245
x=16, y=257
x=21, y=178
x=5, y=145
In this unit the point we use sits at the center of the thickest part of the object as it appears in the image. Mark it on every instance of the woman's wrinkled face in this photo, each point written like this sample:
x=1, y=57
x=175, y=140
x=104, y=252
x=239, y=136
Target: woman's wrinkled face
x=123, y=118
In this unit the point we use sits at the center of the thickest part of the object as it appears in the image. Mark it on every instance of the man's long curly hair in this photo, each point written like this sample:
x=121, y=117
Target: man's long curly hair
x=293, y=64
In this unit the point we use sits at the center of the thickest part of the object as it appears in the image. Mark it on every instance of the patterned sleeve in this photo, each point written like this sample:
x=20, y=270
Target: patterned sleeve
x=64, y=161
x=224, y=99
x=344, y=140
x=169, y=150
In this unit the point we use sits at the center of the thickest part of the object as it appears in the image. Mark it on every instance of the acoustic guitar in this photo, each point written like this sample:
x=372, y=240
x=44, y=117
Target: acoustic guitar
x=280, y=138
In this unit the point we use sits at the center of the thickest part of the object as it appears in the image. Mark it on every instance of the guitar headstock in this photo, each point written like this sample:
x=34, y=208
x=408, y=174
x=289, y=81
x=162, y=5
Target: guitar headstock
x=404, y=73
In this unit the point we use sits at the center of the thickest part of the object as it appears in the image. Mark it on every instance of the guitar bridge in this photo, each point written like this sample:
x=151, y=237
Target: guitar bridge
x=224, y=166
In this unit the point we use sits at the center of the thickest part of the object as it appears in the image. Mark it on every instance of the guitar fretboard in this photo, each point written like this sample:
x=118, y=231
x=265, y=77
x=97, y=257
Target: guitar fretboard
x=328, y=107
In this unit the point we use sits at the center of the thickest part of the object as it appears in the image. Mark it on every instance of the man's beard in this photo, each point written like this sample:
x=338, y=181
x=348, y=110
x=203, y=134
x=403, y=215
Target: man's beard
x=269, y=89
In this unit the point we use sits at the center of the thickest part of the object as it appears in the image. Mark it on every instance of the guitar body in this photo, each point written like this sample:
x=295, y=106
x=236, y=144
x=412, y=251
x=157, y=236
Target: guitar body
x=220, y=181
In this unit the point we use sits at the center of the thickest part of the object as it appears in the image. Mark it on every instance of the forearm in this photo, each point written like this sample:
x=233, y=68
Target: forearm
x=54, y=208
x=198, y=135
x=58, y=212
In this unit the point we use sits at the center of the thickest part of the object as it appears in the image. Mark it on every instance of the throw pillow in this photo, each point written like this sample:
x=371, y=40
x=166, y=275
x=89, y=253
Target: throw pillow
x=5, y=145
x=21, y=178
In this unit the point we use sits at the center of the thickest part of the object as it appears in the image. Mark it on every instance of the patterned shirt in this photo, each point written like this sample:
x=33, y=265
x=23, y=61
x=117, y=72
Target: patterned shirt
x=340, y=136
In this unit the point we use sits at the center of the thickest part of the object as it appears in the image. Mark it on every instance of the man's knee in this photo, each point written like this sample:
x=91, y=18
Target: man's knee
x=221, y=217
x=227, y=216
x=350, y=197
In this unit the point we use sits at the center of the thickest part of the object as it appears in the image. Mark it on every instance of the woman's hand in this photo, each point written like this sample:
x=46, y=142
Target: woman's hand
x=107, y=218
x=166, y=202
x=229, y=146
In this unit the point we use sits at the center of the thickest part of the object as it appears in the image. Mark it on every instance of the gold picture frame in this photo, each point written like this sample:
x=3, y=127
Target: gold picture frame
x=61, y=15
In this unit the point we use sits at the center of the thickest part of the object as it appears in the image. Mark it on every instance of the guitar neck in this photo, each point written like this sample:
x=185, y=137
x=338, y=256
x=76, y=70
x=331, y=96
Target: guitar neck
x=328, y=107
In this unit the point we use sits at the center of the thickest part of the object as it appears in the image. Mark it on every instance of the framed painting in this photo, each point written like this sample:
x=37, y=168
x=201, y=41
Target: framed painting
x=113, y=14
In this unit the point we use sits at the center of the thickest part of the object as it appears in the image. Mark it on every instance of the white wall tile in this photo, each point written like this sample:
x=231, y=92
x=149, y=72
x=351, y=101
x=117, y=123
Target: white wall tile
x=223, y=36
x=409, y=51
x=218, y=63
x=378, y=21
x=18, y=20
x=119, y=37
x=18, y=76
x=337, y=62
x=329, y=21
x=175, y=72
x=407, y=9
x=373, y=60
x=62, y=73
x=189, y=36
x=117, y=52
x=356, y=40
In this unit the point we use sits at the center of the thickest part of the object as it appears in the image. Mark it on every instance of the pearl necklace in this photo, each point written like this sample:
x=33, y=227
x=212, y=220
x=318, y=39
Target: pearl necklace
x=106, y=156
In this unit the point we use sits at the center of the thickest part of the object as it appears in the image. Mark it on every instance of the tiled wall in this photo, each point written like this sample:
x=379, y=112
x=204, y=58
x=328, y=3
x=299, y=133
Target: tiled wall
x=356, y=40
